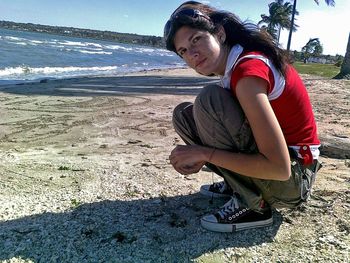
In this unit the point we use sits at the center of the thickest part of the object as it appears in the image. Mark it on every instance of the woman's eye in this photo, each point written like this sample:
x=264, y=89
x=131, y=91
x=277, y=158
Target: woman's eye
x=195, y=39
x=182, y=52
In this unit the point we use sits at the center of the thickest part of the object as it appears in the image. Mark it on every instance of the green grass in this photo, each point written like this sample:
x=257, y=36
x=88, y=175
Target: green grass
x=322, y=70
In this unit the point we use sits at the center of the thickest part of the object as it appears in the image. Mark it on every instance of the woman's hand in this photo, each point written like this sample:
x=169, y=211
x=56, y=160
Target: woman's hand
x=189, y=159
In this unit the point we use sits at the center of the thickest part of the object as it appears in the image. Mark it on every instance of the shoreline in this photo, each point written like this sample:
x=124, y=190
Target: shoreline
x=85, y=176
x=118, y=74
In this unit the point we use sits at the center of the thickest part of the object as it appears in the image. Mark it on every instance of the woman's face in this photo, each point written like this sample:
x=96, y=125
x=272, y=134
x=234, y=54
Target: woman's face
x=201, y=50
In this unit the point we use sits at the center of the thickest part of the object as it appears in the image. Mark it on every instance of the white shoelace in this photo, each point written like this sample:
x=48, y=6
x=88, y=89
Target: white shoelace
x=221, y=186
x=229, y=207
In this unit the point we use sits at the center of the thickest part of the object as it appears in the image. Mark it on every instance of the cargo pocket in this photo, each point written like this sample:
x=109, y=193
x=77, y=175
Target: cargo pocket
x=290, y=193
x=307, y=176
x=280, y=194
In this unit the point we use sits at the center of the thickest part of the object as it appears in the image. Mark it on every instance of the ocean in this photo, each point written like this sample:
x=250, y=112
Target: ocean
x=29, y=56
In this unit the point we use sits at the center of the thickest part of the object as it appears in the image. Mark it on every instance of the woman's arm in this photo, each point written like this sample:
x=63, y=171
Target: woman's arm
x=272, y=162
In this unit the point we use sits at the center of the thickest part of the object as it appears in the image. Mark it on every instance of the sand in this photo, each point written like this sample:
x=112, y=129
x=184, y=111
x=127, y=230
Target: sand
x=85, y=177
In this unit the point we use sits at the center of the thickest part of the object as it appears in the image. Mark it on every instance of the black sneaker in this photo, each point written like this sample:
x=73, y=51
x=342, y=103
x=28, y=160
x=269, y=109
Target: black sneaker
x=232, y=217
x=216, y=190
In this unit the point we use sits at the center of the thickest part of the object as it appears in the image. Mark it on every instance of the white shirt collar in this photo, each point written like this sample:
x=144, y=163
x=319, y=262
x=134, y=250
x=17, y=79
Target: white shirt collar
x=235, y=52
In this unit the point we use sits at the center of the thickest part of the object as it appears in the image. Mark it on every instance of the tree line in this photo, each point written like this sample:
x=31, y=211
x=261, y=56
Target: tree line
x=85, y=33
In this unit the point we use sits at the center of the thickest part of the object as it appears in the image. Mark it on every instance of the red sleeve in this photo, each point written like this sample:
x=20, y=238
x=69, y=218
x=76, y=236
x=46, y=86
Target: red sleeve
x=252, y=67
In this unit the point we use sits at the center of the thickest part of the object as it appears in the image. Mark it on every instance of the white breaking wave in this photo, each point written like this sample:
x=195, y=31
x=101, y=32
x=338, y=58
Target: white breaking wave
x=117, y=47
x=95, y=52
x=21, y=71
x=80, y=44
x=145, y=50
x=20, y=43
x=142, y=63
x=57, y=46
x=142, y=50
x=36, y=42
x=14, y=38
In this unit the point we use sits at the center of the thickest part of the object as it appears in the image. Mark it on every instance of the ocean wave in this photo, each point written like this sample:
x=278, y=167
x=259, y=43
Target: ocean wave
x=141, y=63
x=14, y=38
x=118, y=47
x=79, y=44
x=95, y=52
x=36, y=42
x=85, y=48
x=141, y=50
x=154, y=52
x=22, y=71
x=146, y=50
x=57, y=46
x=90, y=51
x=20, y=43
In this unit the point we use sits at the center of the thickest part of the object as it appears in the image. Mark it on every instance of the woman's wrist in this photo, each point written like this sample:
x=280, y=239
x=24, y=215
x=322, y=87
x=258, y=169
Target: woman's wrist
x=211, y=154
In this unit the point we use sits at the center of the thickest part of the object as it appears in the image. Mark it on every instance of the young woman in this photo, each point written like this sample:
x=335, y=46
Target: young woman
x=256, y=129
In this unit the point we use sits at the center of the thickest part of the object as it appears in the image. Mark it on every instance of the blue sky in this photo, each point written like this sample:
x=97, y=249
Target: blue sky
x=147, y=17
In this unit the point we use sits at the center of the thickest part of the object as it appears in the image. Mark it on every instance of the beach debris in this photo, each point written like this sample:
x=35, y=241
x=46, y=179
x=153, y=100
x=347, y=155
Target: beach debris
x=133, y=141
x=64, y=168
x=177, y=221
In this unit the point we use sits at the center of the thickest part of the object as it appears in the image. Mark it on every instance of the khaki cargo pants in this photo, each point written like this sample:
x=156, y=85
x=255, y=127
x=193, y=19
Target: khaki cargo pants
x=217, y=120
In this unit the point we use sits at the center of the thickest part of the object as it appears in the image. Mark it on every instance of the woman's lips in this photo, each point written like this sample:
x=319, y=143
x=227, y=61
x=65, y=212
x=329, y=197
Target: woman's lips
x=200, y=62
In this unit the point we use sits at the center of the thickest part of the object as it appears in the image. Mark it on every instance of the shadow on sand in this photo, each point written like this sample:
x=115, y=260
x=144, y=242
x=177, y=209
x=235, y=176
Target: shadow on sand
x=113, y=86
x=148, y=230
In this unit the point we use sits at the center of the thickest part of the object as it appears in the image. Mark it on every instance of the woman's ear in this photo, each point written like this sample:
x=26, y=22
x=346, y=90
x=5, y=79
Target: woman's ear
x=221, y=35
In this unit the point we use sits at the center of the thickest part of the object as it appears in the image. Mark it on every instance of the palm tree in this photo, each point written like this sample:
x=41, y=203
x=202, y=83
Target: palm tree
x=278, y=18
x=312, y=47
x=345, y=67
x=328, y=2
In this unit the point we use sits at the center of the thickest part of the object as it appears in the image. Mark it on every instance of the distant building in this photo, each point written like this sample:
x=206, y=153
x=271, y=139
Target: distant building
x=321, y=60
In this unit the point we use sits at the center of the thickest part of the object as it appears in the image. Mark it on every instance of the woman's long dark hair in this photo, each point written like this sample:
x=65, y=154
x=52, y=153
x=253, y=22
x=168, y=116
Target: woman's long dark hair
x=246, y=34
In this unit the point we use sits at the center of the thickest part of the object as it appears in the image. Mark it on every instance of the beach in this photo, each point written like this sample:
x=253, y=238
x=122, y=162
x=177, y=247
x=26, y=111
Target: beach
x=85, y=177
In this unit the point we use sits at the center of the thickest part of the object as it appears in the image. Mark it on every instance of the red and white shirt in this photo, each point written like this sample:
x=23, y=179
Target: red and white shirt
x=287, y=95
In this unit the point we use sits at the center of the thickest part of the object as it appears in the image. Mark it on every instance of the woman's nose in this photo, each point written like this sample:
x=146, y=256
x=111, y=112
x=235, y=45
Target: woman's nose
x=193, y=53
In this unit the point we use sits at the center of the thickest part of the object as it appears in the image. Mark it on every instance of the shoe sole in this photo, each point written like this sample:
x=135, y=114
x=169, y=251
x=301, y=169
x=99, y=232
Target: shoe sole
x=214, y=195
x=216, y=227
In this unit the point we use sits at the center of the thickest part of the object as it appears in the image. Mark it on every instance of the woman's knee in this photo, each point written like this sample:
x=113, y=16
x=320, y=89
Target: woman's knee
x=180, y=109
x=214, y=100
x=207, y=94
x=182, y=115
x=216, y=109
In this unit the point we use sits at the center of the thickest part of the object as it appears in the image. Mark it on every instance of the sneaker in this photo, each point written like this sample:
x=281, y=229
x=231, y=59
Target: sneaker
x=216, y=190
x=232, y=217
